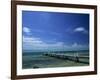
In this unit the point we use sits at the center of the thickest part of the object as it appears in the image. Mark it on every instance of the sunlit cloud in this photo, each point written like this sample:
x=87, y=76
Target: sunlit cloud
x=80, y=29
x=26, y=30
x=31, y=39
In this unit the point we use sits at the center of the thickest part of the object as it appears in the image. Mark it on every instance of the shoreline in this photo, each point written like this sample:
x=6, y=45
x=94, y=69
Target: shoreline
x=48, y=62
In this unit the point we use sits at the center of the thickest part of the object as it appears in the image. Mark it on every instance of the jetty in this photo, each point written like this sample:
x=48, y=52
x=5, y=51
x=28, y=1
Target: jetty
x=76, y=57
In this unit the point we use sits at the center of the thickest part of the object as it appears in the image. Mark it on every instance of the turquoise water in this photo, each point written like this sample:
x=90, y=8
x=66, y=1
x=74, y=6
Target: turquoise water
x=38, y=60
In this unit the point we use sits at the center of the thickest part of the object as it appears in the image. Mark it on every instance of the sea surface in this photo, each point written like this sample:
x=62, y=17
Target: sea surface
x=34, y=60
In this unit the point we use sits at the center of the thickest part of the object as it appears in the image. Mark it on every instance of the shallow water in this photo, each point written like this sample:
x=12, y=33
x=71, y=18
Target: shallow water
x=38, y=60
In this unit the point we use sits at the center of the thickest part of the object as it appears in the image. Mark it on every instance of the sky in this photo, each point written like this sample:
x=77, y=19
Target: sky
x=55, y=31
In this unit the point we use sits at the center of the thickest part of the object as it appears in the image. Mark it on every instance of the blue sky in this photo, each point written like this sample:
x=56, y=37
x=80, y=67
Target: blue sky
x=55, y=31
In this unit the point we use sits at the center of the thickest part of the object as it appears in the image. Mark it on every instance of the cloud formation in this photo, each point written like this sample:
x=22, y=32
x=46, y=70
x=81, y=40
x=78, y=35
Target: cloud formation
x=36, y=44
x=26, y=30
x=32, y=43
x=80, y=29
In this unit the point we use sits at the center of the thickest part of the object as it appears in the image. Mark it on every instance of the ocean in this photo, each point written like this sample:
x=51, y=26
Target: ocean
x=34, y=60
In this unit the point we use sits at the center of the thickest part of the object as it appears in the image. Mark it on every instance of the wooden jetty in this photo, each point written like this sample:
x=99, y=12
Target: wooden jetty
x=75, y=58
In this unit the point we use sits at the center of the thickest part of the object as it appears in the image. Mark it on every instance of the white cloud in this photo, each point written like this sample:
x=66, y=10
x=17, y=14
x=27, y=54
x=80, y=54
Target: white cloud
x=80, y=29
x=30, y=39
x=75, y=45
x=33, y=43
x=26, y=30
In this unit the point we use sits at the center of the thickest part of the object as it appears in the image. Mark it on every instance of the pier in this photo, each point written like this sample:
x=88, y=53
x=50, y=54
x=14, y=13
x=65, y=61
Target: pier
x=76, y=57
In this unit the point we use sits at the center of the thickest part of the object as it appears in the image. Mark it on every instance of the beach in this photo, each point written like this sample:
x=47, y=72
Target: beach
x=32, y=61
